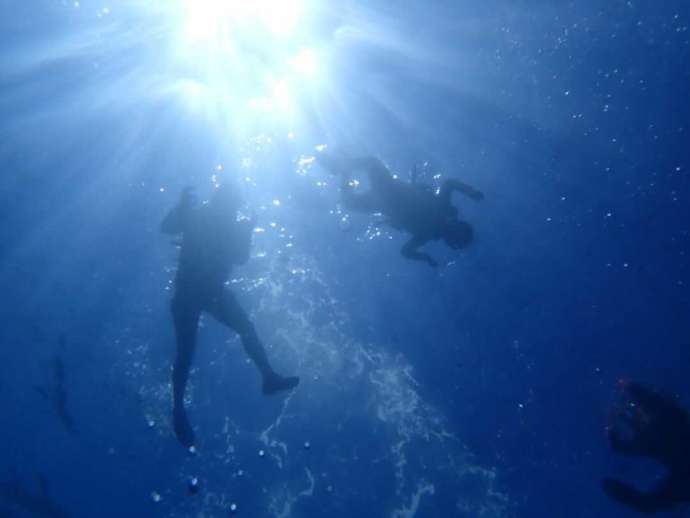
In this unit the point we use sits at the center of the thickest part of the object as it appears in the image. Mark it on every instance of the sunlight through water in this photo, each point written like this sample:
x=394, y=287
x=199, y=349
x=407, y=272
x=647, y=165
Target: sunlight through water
x=245, y=61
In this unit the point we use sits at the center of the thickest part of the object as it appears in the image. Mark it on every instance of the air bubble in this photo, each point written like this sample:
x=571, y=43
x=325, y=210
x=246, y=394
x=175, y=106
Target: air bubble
x=193, y=485
x=345, y=223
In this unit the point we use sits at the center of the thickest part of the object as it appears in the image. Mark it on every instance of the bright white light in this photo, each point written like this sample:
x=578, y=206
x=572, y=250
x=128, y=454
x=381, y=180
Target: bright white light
x=246, y=63
x=304, y=62
x=209, y=19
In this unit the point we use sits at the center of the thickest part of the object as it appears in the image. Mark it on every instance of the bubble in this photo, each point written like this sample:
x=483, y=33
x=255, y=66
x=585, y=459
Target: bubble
x=151, y=423
x=156, y=497
x=345, y=223
x=233, y=508
x=192, y=450
x=262, y=453
x=240, y=472
x=193, y=485
x=307, y=445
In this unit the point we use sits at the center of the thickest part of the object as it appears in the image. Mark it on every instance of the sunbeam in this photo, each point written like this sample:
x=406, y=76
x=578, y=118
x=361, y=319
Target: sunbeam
x=244, y=61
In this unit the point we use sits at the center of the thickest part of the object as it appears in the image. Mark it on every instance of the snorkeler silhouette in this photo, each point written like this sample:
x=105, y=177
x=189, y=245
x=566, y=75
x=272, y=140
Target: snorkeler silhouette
x=57, y=396
x=212, y=241
x=650, y=424
x=409, y=207
x=35, y=503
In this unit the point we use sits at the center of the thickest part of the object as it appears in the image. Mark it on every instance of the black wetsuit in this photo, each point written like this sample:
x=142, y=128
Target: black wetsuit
x=212, y=242
x=650, y=424
x=409, y=207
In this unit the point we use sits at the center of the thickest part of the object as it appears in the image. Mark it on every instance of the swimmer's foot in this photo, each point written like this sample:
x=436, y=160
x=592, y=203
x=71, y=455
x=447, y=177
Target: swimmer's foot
x=183, y=430
x=275, y=383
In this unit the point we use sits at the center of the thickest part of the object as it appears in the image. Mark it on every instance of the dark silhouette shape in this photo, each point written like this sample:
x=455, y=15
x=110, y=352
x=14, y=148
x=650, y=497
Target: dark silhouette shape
x=649, y=424
x=39, y=504
x=410, y=207
x=57, y=396
x=213, y=240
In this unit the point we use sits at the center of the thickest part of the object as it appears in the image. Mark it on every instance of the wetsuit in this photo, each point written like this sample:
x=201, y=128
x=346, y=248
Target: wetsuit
x=650, y=424
x=212, y=242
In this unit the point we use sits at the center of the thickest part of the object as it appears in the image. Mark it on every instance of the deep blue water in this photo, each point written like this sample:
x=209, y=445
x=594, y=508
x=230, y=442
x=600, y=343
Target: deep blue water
x=479, y=390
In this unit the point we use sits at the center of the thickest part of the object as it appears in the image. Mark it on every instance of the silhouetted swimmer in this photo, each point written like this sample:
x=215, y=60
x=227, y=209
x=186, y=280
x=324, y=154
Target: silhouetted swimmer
x=409, y=207
x=37, y=504
x=213, y=240
x=649, y=424
x=58, y=394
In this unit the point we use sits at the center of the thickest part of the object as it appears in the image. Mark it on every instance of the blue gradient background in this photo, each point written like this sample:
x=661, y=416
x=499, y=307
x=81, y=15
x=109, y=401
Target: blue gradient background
x=481, y=390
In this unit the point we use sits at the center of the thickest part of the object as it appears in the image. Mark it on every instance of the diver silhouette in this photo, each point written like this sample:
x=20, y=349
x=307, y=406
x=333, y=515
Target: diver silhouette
x=650, y=424
x=58, y=395
x=213, y=240
x=34, y=503
x=409, y=207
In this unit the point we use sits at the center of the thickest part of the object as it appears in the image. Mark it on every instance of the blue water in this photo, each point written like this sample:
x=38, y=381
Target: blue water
x=479, y=390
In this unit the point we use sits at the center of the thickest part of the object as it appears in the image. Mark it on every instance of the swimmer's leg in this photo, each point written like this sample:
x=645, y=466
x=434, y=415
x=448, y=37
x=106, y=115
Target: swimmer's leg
x=227, y=310
x=186, y=319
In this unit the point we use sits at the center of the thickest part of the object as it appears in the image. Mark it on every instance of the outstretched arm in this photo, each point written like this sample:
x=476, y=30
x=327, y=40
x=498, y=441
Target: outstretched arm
x=409, y=251
x=456, y=185
x=174, y=221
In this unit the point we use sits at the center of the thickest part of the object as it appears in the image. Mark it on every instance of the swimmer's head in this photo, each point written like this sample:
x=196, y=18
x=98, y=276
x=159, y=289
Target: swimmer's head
x=458, y=234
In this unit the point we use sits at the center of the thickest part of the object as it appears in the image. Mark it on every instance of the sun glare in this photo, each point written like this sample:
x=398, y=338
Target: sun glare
x=209, y=18
x=248, y=55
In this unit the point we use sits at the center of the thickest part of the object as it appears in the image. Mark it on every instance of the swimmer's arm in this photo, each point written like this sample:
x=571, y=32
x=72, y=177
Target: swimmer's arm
x=456, y=185
x=175, y=221
x=409, y=251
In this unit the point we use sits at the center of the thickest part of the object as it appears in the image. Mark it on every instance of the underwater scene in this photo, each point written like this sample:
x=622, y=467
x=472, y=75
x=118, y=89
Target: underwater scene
x=305, y=258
